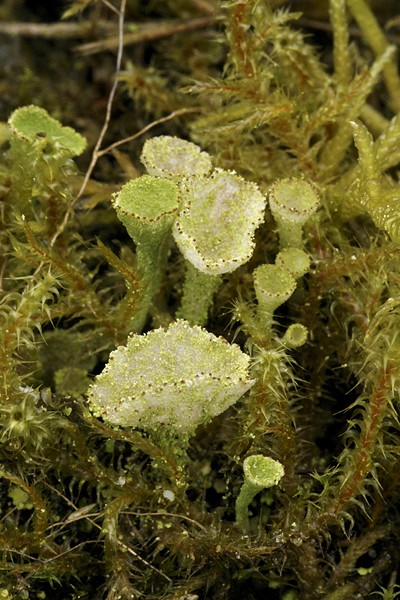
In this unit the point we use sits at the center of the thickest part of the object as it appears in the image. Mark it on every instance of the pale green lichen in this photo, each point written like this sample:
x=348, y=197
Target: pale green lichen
x=35, y=125
x=214, y=231
x=273, y=286
x=295, y=335
x=44, y=147
x=147, y=206
x=294, y=260
x=260, y=472
x=177, y=378
x=292, y=202
x=174, y=158
x=215, y=228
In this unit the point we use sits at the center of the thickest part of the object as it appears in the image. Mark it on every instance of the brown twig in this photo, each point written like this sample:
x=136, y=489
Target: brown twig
x=95, y=154
x=175, y=113
x=146, y=32
x=58, y=30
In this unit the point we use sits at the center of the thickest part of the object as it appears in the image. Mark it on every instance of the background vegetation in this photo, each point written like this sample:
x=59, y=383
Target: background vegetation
x=271, y=89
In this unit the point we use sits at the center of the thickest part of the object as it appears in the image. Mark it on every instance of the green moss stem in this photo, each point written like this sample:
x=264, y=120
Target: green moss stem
x=341, y=54
x=377, y=40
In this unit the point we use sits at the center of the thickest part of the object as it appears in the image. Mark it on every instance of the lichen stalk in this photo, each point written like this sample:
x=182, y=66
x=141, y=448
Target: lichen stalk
x=197, y=295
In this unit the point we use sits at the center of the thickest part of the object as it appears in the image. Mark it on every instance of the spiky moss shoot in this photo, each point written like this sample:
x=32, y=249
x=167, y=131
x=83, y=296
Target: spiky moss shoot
x=171, y=380
x=371, y=193
x=273, y=286
x=147, y=206
x=260, y=472
x=214, y=231
x=25, y=424
x=174, y=158
x=292, y=202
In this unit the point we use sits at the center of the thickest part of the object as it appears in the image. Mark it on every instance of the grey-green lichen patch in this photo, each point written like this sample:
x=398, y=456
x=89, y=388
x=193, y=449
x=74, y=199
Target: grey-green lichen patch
x=177, y=378
x=174, y=158
x=35, y=125
x=215, y=228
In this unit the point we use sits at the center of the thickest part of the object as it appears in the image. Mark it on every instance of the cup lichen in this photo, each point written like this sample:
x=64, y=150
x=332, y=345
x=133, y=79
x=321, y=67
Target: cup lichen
x=147, y=206
x=214, y=231
x=260, y=472
x=174, y=158
x=292, y=202
x=177, y=378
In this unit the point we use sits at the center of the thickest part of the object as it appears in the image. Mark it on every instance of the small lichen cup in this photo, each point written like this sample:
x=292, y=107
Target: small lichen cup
x=273, y=285
x=260, y=472
x=296, y=261
x=295, y=335
x=292, y=202
x=168, y=382
x=147, y=206
x=214, y=231
x=41, y=149
x=171, y=157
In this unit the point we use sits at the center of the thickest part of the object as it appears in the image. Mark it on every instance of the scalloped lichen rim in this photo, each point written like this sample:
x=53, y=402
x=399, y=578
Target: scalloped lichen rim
x=293, y=200
x=295, y=260
x=215, y=228
x=177, y=378
x=273, y=283
x=32, y=123
x=147, y=199
x=174, y=158
x=262, y=472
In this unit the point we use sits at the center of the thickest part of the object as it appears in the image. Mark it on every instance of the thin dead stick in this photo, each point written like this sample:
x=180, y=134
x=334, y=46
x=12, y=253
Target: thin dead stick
x=110, y=98
x=110, y=6
x=146, y=32
x=107, y=118
x=57, y=30
x=118, y=541
x=97, y=153
x=175, y=113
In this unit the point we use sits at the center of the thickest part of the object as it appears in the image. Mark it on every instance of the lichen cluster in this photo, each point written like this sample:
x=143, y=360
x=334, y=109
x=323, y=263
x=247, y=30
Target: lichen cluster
x=200, y=342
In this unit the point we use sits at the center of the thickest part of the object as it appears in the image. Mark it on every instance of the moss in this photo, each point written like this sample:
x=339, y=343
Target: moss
x=268, y=219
